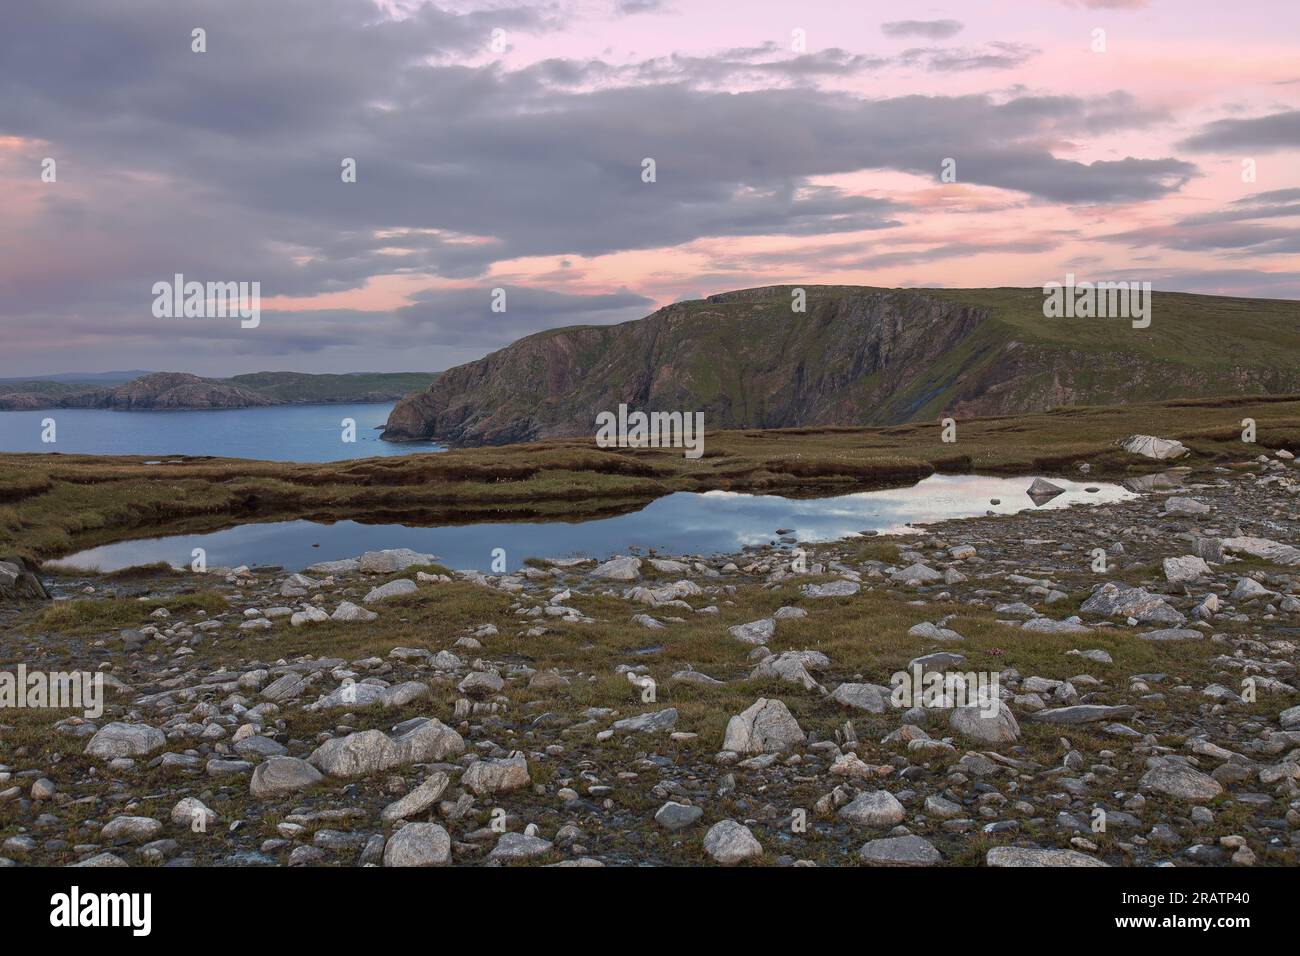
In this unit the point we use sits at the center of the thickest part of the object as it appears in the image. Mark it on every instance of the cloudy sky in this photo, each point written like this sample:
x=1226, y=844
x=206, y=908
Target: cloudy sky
x=502, y=146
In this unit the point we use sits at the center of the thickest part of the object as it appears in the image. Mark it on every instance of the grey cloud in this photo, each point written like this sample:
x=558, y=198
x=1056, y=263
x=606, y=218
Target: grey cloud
x=1229, y=230
x=998, y=55
x=930, y=29
x=1267, y=133
x=464, y=318
x=225, y=165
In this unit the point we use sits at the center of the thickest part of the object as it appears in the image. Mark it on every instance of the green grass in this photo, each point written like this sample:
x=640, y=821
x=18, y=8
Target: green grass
x=83, y=615
x=53, y=504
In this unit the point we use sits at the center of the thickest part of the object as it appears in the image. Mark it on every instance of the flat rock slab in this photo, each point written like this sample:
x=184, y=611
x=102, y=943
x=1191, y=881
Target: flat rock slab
x=1182, y=783
x=832, y=589
x=1034, y=856
x=1173, y=634
x=1082, y=714
x=900, y=851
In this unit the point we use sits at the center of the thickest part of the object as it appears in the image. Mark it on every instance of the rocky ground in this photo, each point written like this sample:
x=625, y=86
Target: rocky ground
x=689, y=709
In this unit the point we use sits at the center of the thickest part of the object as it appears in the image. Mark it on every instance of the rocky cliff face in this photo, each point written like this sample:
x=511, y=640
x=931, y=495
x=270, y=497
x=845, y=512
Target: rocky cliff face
x=744, y=359
x=856, y=356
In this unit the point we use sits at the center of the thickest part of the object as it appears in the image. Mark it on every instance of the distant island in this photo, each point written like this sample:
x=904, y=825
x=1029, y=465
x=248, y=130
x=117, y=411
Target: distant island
x=180, y=390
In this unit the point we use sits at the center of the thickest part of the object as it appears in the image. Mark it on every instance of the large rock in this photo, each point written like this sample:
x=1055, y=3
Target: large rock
x=18, y=583
x=875, y=808
x=1042, y=488
x=1178, y=505
x=1172, y=634
x=792, y=667
x=650, y=722
x=1046, y=625
x=831, y=589
x=1181, y=782
x=729, y=842
x=619, y=569
x=765, y=727
x=916, y=574
x=497, y=776
x=392, y=560
x=1248, y=589
x=1264, y=549
x=418, y=800
x=1036, y=856
x=347, y=611
x=899, y=851
x=677, y=816
x=868, y=697
x=971, y=722
x=1115, y=600
x=365, y=695
x=1082, y=714
x=755, y=632
x=128, y=829
x=418, y=844
x=513, y=847
x=423, y=740
x=280, y=775
x=1187, y=568
x=393, y=589
x=125, y=740
x=1149, y=446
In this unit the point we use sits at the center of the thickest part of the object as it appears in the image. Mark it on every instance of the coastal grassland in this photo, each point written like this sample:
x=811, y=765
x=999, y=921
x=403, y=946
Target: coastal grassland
x=865, y=636
x=51, y=504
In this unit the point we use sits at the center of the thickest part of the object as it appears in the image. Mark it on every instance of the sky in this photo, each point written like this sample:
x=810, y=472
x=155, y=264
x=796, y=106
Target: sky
x=504, y=146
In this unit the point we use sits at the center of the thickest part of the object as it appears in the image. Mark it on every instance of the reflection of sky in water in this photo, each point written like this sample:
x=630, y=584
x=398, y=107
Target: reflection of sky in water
x=682, y=523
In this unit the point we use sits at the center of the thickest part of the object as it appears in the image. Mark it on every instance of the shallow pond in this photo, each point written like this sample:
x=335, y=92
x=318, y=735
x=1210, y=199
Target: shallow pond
x=715, y=522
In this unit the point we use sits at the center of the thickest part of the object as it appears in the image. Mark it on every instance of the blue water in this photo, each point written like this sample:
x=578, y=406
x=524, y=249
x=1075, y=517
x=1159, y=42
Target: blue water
x=277, y=433
x=682, y=523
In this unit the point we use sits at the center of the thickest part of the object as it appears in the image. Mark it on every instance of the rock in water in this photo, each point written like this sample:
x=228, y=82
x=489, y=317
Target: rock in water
x=1042, y=488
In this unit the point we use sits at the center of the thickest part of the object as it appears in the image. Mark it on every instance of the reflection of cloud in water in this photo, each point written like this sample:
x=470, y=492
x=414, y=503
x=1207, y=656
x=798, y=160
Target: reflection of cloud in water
x=682, y=523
